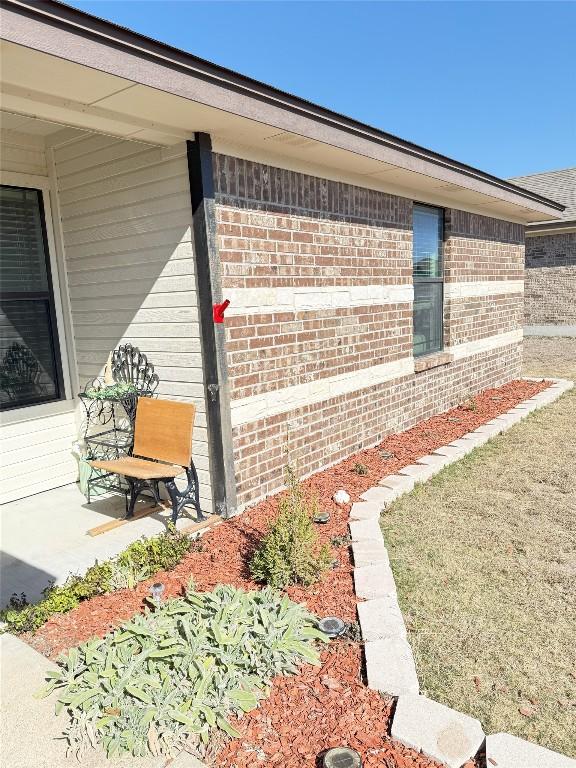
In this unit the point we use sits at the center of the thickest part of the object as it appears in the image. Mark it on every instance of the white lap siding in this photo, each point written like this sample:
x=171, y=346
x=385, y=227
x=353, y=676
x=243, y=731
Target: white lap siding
x=126, y=228
x=36, y=442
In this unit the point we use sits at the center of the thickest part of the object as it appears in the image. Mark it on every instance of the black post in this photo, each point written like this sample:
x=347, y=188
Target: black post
x=209, y=290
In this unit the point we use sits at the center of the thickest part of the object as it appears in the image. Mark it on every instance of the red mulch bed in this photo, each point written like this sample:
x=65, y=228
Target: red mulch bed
x=320, y=707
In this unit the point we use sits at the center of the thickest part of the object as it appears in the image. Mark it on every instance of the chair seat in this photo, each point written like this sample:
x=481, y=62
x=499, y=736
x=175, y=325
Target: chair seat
x=142, y=469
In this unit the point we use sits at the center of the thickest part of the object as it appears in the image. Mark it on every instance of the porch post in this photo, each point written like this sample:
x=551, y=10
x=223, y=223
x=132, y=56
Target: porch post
x=209, y=290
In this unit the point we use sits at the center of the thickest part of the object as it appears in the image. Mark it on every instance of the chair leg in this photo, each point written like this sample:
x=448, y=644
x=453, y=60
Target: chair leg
x=156, y=492
x=192, y=476
x=191, y=494
x=172, y=490
x=136, y=488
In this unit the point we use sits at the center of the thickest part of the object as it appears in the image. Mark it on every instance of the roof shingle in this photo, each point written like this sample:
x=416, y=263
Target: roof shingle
x=556, y=185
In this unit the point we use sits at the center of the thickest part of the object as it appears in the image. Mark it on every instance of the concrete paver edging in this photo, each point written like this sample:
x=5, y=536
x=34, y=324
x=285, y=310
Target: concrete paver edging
x=506, y=751
x=434, y=729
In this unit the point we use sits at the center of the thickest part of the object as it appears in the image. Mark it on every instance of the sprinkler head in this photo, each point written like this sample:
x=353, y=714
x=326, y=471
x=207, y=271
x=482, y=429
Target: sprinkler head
x=332, y=626
x=342, y=757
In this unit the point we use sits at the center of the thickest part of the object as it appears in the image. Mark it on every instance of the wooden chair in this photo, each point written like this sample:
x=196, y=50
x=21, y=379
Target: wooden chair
x=162, y=451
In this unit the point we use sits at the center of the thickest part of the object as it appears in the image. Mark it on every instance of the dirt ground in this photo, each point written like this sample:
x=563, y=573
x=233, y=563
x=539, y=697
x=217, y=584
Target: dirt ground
x=485, y=562
x=550, y=357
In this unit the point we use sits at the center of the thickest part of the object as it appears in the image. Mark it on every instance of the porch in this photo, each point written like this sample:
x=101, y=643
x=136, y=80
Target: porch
x=45, y=537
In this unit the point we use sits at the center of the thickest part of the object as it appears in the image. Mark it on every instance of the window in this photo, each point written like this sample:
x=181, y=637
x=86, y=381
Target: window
x=30, y=366
x=428, y=271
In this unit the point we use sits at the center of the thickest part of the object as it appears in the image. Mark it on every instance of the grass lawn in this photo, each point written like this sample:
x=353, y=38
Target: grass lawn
x=484, y=557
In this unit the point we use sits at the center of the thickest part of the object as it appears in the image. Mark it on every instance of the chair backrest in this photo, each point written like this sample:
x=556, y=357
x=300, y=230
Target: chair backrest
x=163, y=430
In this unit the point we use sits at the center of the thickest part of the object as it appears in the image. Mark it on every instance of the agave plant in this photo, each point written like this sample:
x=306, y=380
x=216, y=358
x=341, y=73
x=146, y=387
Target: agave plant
x=165, y=680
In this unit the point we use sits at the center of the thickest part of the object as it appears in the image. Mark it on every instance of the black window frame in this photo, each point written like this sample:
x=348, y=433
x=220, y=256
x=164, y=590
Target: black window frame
x=47, y=296
x=420, y=280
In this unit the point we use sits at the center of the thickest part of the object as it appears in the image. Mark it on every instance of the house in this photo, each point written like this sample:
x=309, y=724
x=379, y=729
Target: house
x=372, y=282
x=550, y=278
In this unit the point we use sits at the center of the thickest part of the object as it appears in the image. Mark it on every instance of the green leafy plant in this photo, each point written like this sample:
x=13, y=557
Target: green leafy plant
x=360, y=469
x=23, y=617
x=112, y=391
x=159, y=553
x=96, y=581
x=138, y=562
x=288, y=553
x=127, y=576
x=169, y=678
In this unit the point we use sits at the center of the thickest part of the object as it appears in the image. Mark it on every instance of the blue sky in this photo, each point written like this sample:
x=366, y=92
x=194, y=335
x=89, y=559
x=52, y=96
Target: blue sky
x=492, y=84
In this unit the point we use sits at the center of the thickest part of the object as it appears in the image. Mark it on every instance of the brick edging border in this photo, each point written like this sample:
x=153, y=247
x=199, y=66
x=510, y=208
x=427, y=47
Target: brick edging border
x=439, y=732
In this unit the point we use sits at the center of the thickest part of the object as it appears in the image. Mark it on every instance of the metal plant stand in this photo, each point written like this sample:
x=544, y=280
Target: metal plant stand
x=117, y=415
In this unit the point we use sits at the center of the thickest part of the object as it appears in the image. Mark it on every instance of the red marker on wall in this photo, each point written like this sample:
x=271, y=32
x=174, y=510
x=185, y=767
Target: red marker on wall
x=218, y=311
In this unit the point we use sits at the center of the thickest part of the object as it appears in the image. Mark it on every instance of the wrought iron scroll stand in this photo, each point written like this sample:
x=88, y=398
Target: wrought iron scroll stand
x=128, y=366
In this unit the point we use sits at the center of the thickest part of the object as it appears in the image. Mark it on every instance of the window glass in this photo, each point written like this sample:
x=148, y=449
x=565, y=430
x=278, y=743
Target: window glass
x=427, y=318
x=29, y=362
x=427, y=242
x=427, y=268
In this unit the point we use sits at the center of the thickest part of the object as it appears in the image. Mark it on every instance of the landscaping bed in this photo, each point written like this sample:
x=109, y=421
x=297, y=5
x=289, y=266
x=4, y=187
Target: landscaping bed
x=319, y=707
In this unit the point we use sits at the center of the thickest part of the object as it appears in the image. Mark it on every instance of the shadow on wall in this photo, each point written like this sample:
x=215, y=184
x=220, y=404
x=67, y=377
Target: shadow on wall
x=127, y=231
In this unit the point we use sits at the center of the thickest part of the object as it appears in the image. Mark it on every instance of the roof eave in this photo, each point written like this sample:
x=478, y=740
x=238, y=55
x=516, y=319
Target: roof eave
x=552, y=227
x=74, y=21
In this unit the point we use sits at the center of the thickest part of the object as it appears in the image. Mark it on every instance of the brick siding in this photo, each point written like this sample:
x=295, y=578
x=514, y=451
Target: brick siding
x=281, y=234
x=550, y=290
x=497, y=255
x=477, y=317
x=319, y=435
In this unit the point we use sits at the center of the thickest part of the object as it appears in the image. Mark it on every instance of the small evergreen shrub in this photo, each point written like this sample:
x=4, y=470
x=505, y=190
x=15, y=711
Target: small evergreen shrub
x=170, y=679
x=288, y=553
x=137, y=563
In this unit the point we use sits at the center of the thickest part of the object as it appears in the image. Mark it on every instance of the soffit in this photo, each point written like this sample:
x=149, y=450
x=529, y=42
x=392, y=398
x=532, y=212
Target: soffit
x=49, y=88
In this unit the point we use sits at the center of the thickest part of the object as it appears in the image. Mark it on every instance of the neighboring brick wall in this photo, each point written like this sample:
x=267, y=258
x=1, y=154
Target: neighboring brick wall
x=550, y=290
x=319, y=331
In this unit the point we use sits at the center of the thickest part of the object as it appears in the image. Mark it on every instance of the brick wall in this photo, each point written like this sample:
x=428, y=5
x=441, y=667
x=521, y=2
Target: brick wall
x=486, y=253
x=319, y=331
x=323, y=433
x=550, y=290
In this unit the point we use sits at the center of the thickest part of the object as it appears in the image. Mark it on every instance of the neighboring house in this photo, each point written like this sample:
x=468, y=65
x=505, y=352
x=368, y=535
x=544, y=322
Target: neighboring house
x=372, y=282
x=550, y=278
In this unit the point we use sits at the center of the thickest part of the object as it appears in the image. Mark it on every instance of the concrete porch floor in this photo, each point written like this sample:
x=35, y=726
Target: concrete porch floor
x=44, y=537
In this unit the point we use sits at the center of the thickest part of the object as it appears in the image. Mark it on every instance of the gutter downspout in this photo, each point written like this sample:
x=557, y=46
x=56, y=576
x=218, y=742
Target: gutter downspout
x=209, y=290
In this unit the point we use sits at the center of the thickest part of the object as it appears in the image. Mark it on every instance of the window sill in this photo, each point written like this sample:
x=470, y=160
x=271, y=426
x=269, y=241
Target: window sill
x=432, y=361
x=38, y=411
